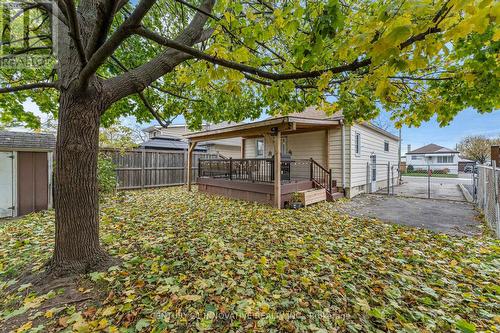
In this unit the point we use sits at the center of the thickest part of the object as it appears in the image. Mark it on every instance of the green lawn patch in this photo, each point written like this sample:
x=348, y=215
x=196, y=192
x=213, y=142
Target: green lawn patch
x=193, y=262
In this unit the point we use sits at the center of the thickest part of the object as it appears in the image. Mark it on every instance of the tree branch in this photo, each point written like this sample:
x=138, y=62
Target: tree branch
x=139, y=78
x=106, y=11
x=74, y=30
x=49, y=9
x=163, y=123
x=31, y=86
x=245, y=68
x=413, y=78
x=124, y=31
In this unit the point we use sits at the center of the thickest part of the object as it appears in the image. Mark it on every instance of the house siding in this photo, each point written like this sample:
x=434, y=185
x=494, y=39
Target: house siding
x=302, y=146
x=224, y=150
x=335, y=155
x=372, y=142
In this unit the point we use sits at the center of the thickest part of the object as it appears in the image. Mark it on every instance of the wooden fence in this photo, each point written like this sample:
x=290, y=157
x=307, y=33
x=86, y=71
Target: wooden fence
x=151, y=168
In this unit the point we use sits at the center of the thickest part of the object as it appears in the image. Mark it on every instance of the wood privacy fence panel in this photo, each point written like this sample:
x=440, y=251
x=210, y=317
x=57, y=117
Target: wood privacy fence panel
x=150, y=168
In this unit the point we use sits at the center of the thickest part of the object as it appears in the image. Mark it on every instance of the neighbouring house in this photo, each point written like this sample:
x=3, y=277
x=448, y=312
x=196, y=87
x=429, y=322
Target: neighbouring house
x=25, y=172
x=173, y=136
x=433, y=156
x=312, y=150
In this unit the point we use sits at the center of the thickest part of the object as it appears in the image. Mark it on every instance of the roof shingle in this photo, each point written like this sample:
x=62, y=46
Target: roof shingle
x=26, y=140
x=432, y=149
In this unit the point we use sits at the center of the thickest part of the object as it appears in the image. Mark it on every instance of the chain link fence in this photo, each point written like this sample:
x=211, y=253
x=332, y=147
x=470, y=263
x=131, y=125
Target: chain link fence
x=487, y=195
x=381, y=178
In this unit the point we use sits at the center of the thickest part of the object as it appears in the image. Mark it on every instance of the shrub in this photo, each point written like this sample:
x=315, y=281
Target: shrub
x=409, y=168
x=445, y=171
x=106, y=175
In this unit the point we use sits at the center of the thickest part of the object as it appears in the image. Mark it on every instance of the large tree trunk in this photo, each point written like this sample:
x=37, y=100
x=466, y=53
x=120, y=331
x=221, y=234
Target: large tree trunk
x=77, y=247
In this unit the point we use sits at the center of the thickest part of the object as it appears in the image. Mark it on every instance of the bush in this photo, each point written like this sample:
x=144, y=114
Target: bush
x=445, y=171
x=106, y=175
x=409, y=168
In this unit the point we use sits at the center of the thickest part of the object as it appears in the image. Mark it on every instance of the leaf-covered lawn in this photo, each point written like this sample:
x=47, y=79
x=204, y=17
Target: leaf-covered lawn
x=193, y=262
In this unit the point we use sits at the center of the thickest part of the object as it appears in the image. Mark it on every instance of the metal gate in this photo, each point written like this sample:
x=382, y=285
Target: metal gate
x=381, y=178
x=437, y=182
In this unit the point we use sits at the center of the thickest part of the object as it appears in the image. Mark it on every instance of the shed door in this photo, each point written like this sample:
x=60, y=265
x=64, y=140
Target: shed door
x=6, y=184
x=32, y=172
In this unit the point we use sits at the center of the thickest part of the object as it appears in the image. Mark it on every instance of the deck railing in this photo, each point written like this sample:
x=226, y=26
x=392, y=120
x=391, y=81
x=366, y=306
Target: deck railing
x=262, y=170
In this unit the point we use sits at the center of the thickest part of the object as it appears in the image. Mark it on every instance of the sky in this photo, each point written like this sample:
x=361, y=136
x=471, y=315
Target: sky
x=467, y=122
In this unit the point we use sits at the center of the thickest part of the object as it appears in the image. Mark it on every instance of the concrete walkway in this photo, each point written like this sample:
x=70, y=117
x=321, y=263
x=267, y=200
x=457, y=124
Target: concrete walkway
x=451, y=217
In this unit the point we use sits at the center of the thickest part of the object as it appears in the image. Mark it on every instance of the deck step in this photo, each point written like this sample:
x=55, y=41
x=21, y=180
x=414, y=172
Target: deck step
x=335, y=196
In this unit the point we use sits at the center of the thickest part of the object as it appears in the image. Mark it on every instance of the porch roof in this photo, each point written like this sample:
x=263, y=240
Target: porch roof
x=284, y=124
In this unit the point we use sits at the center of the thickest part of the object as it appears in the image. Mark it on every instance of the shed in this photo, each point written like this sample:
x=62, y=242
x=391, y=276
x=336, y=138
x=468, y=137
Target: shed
x=26, y=161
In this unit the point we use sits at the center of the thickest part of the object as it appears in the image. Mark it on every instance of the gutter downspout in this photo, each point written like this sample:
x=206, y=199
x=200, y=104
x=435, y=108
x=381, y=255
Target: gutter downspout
x=342, y=127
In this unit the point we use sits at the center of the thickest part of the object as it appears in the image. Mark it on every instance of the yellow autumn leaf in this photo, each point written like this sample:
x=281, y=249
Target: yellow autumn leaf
x=192, y=298
x=324, y=80
x=25, y=327
x=110, y=310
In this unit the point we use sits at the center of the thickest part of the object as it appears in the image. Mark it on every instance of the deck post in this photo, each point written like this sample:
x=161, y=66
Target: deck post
x=277, y=169
x=191, y=146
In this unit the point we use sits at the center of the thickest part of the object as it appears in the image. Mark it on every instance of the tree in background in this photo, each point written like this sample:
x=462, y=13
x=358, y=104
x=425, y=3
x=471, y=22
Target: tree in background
x=477, y=147
x=230, y=60
x=119, y=137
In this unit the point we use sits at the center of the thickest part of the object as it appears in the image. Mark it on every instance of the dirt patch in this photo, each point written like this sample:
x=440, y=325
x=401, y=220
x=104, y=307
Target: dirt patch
x=37, y=306
x=451, y=217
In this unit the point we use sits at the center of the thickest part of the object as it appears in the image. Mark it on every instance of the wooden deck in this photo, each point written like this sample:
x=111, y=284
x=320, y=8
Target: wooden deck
x=257, y=192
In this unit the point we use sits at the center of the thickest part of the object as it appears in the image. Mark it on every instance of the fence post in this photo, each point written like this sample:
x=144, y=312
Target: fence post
x=311, y=169
x=368, y=179
x=329, y=180
x=392, y=180
x=485, y=191
x=199, y=167
x=230, y=168
x=428, y=182
x=143, y=174
x=388, y=178
x=495, y=197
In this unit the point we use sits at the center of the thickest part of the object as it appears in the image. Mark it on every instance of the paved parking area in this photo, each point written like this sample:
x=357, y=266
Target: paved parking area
x=451, y=217
x=440, y=188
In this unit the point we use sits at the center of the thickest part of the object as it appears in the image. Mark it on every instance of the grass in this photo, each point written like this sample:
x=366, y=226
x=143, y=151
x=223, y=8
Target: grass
x=434, y=175
x=193, y=262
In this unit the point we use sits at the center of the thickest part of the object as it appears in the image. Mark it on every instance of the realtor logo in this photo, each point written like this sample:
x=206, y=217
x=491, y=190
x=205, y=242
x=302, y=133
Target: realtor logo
x=26, y=34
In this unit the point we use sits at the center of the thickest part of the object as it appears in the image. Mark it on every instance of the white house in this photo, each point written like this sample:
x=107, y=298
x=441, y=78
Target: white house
x=356, y=155
x=436, y=157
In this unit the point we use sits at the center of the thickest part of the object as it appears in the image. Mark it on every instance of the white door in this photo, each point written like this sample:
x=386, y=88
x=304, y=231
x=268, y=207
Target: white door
x=6, y=184
x=373, y=182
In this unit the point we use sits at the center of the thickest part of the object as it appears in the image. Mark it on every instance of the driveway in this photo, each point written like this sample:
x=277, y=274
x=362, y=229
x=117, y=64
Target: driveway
x=451, y=217
x=440, y=188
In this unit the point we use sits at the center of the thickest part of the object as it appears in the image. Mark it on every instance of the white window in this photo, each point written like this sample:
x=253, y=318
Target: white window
x=357, y=144
x=259, y=147
x=386, y=145
x=414, y=157
x=445, y=159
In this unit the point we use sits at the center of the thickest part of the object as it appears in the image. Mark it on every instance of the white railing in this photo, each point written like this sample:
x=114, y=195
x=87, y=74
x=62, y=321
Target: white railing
x=487, y=195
